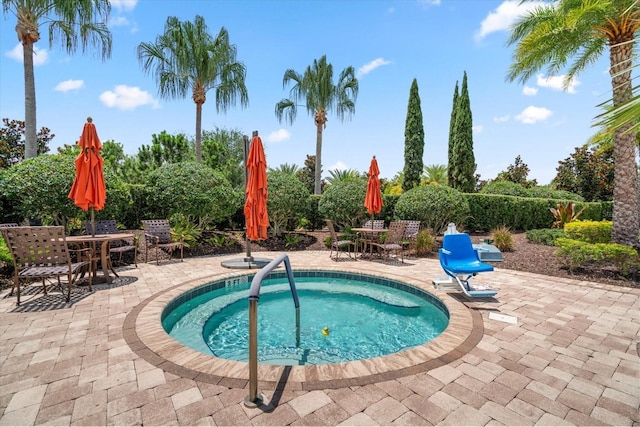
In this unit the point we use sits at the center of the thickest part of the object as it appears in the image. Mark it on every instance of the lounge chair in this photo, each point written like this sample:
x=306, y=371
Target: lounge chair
x=42, y=252
x=338, y=244
x=461, y=262
x=157, y=235
x=393, y=240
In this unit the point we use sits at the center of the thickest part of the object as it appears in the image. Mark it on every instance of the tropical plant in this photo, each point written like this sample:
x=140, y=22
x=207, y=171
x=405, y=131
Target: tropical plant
x=502, y=238
x=186, y=57
x=580, y=31
x=70, y=23
x=564, y=214
x=287, y=168
x=187, y=227
x=291, y=239
x=12, y=144
x=435, y=174
x=315, y=87
x=413, y=140
x=338, y=175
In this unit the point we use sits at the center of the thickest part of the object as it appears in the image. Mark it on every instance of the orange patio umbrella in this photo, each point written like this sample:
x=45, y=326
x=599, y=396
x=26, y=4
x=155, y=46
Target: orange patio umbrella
x=255, y=207
x=89, y=190
x=373, y=199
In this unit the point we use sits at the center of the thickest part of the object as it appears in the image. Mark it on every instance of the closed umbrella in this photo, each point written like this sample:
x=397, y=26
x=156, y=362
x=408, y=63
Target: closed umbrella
x=255, y=208
x=89, y=190
x=373, y=199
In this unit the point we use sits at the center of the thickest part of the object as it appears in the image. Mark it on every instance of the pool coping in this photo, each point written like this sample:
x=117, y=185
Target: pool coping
x=143, y=332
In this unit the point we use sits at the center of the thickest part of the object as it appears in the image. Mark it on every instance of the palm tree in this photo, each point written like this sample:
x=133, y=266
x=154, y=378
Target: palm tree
x=316, y=88
x=340, y=175
x=286, y=168
x=186, y=57
x=70, y=22
x=580, y=31
x=435, y=174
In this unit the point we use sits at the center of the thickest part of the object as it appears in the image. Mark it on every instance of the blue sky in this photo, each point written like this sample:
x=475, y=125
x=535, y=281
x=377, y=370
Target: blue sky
x=389, y=43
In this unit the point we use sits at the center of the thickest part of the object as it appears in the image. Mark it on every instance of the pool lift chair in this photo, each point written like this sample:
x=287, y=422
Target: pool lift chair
x=461, y=262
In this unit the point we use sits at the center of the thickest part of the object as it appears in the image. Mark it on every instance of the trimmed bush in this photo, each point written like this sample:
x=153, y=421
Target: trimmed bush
x=435, y=206
x=191, y=189
x=589, y=231
x=505, y=188
x=545, y=236
x=343, y=203
x=575, y=253
x=288, y=201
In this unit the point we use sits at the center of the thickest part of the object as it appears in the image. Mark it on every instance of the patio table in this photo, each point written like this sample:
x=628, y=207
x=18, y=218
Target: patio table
x=105, y=259
x=369, y=236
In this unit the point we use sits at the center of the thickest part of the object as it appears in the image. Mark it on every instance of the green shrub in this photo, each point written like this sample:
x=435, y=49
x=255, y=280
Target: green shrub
x=5, y=254
x=186, y=226
x=589, y=231
x=191, y=189
x=546, y=192
x=575, y=253
x=288, y=201
x=545, y=236
x=502, y=238
x=435, y=206
x=426, y=242
x=343, y=203
x=504, y=187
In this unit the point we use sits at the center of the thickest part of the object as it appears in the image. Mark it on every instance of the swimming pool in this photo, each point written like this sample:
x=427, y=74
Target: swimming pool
x=344, y=317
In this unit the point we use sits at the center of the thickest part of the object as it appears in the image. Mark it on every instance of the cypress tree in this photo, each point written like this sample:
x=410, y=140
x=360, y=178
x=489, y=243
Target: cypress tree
x=452, y=124
x=464, y=162
x=413, y=140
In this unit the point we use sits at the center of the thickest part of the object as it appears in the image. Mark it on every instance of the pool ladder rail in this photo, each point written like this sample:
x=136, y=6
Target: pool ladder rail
x=254, y=399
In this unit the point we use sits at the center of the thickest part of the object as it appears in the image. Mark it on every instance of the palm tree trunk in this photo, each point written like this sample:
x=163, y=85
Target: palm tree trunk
x=317, y=185
x=198, y=132
x=626, y=216
x=31, y=143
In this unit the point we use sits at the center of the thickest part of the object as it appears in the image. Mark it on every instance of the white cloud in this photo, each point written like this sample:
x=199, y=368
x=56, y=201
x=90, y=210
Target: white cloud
x=40, y=56
x=367, y=68
x=531, y=115
x=391, y=10
x=504, y=16
x=126, y=97
x=477, y=128
x=279, y=135
x=68, y=85
x=118, y=21
x=338, y=166
x=501, y=119
x=430, y=2
x=124, y=5
x=557, y=83
x=529, y=91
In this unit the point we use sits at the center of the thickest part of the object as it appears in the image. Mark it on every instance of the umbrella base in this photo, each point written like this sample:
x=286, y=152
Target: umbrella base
x=248, y=264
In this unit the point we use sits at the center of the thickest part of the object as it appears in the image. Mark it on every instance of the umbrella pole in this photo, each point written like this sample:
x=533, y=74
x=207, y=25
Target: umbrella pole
x=93, y=222
x=248, y=257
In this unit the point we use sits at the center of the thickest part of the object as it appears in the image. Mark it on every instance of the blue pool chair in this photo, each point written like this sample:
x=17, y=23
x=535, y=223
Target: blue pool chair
x=460, y=261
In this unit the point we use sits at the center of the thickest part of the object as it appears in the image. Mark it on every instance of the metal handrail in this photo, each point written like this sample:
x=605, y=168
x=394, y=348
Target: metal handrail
x=253, y=400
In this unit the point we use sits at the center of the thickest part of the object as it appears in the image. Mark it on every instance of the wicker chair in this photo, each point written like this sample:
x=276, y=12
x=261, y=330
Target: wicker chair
x=119, y=247
x=42, y=252
x=157, y=234
x=338, y=244
x=393, y=241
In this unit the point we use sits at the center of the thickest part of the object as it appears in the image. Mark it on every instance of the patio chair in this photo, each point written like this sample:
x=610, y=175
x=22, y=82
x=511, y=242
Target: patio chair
x=461, y=262
x=410, y=232
x=119, y=247
x=337, y=243
x=42, y=252
x=393, y=241
x=157, y=235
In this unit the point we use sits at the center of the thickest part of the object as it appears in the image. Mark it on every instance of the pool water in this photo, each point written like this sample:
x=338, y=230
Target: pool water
x=363, y=320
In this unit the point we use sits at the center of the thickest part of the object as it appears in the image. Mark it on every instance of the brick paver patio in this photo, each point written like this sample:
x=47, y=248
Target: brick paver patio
x=571, y=359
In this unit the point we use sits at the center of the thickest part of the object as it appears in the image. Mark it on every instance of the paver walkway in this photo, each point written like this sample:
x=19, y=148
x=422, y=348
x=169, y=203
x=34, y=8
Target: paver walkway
x=571, y=359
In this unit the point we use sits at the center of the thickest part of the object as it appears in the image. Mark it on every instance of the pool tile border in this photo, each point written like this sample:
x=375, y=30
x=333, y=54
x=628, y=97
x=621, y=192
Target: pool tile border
x=144, y=334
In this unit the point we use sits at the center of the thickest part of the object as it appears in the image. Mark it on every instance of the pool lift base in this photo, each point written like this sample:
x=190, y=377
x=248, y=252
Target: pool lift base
x=253, y=403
